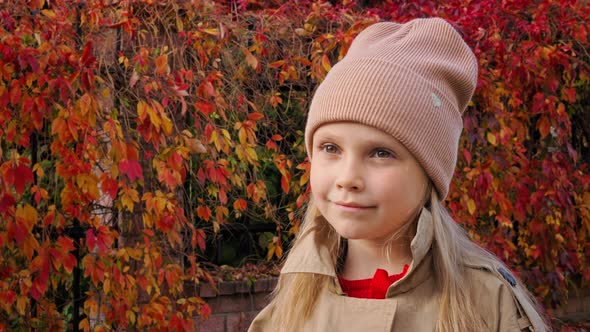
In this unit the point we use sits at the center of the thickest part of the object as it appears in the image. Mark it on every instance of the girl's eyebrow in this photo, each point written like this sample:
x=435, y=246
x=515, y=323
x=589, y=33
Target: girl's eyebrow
x=326, y=137
x=380, y=143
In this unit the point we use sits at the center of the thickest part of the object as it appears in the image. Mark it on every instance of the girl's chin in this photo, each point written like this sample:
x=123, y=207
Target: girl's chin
x=352, y=234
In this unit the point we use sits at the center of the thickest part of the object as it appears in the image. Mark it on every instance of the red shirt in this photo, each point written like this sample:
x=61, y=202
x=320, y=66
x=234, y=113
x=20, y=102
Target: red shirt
x=374, y=288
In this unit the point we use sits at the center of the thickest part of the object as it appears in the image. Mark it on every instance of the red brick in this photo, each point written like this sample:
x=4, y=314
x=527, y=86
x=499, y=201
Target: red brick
x=206, y=290
x=261, y=285
x=239, y=322
x=215, y=323
x=586, y=305
x=243, y=287
x=261, y=300
x=574, y=305
x=227, y=287
x=231, y=303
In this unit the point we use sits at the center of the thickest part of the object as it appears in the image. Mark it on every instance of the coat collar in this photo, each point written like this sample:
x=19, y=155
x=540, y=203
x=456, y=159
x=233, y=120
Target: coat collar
x=309, y=256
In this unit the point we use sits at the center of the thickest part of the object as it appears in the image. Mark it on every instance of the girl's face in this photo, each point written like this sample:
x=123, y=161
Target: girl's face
x=364, y=182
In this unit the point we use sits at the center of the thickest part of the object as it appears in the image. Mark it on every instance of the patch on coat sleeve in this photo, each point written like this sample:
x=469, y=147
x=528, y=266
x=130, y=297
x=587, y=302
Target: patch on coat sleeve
x=508, y=276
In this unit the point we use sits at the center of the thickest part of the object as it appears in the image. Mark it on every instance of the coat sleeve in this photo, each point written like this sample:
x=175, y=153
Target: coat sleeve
x=261, y=322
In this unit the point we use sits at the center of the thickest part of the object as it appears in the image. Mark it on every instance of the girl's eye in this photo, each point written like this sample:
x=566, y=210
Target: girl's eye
x=382, y=153
x=329, y=148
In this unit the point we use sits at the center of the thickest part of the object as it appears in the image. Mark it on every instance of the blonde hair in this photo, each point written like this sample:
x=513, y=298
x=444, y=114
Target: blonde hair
x=296, y=293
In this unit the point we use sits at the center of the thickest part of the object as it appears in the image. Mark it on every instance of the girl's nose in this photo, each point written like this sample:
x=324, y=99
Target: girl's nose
x=349, y=177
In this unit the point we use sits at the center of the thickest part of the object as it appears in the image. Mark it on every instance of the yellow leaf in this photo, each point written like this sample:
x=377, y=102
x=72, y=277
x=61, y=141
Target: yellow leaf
x=48, y=13
x=326, y=63
x=179, y=26
x=213, y=138
x=271, y=251
x=471, y=206
x=39, y=170
x=28, y=214
x=250, y=59
x=492, y=139
x=130, y=315
x=141, y=110
x=21, y=304
x=242, y=136
x=226, y=134
x=559, y=238
x=213, y=32
x=129, y=197
x=106, y=287
x=147, y=220
x=166, y=124
x=251, y=154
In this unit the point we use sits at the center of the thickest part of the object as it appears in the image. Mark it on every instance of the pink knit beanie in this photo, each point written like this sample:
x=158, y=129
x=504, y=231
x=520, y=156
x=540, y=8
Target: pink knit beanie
x=410, y=80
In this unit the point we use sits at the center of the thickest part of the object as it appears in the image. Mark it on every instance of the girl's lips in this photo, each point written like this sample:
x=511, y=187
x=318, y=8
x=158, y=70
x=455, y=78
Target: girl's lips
x=352, y=206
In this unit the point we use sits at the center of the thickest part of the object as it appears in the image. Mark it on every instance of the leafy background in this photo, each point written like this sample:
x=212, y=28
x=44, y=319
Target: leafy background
x=145, y=146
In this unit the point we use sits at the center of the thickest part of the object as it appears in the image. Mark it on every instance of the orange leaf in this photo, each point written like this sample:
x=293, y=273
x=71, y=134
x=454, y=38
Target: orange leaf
x=162, y=67
x=204, y=212
x=255, y=116
x=544, y=126
x=240, y=204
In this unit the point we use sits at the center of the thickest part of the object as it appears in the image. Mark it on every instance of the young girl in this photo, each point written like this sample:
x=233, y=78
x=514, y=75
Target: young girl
x=377, y=250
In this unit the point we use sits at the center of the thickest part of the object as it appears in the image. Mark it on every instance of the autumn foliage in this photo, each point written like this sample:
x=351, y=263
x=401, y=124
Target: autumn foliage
x=133, y=132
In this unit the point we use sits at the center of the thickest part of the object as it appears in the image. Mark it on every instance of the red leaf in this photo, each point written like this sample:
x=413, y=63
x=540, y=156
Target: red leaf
x=201, y=239
x=205, y=108
x=271, y=145
x=467, y=156
x=109, y=186
x=205, y=311
x=6, y=202
x=90, y=239
x=569, y=95
x=87, y=58
x=22, y=176
x=20, y=232
x=169, y=177
x=222, y=196
x=69, y=262
x=131, y=168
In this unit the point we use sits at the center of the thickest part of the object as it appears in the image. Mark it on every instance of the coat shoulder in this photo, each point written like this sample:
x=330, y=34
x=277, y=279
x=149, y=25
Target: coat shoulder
x=502, y=300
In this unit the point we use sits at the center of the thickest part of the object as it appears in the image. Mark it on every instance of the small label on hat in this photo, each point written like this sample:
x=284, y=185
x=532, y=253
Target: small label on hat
x=436, y=100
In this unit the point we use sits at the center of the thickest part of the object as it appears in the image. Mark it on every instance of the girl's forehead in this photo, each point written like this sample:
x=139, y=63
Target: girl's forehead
x=352, y=130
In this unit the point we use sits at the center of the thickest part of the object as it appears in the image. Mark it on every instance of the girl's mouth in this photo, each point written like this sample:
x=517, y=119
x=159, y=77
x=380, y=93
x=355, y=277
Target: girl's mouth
x=352, y=206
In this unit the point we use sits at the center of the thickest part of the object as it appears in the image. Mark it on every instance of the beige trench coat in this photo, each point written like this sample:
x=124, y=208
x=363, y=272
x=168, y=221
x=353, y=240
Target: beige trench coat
x=410, y=304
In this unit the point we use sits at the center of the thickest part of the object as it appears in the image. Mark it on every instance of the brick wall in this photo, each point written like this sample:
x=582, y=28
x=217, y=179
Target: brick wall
x=576, y=312
x=235, y=304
